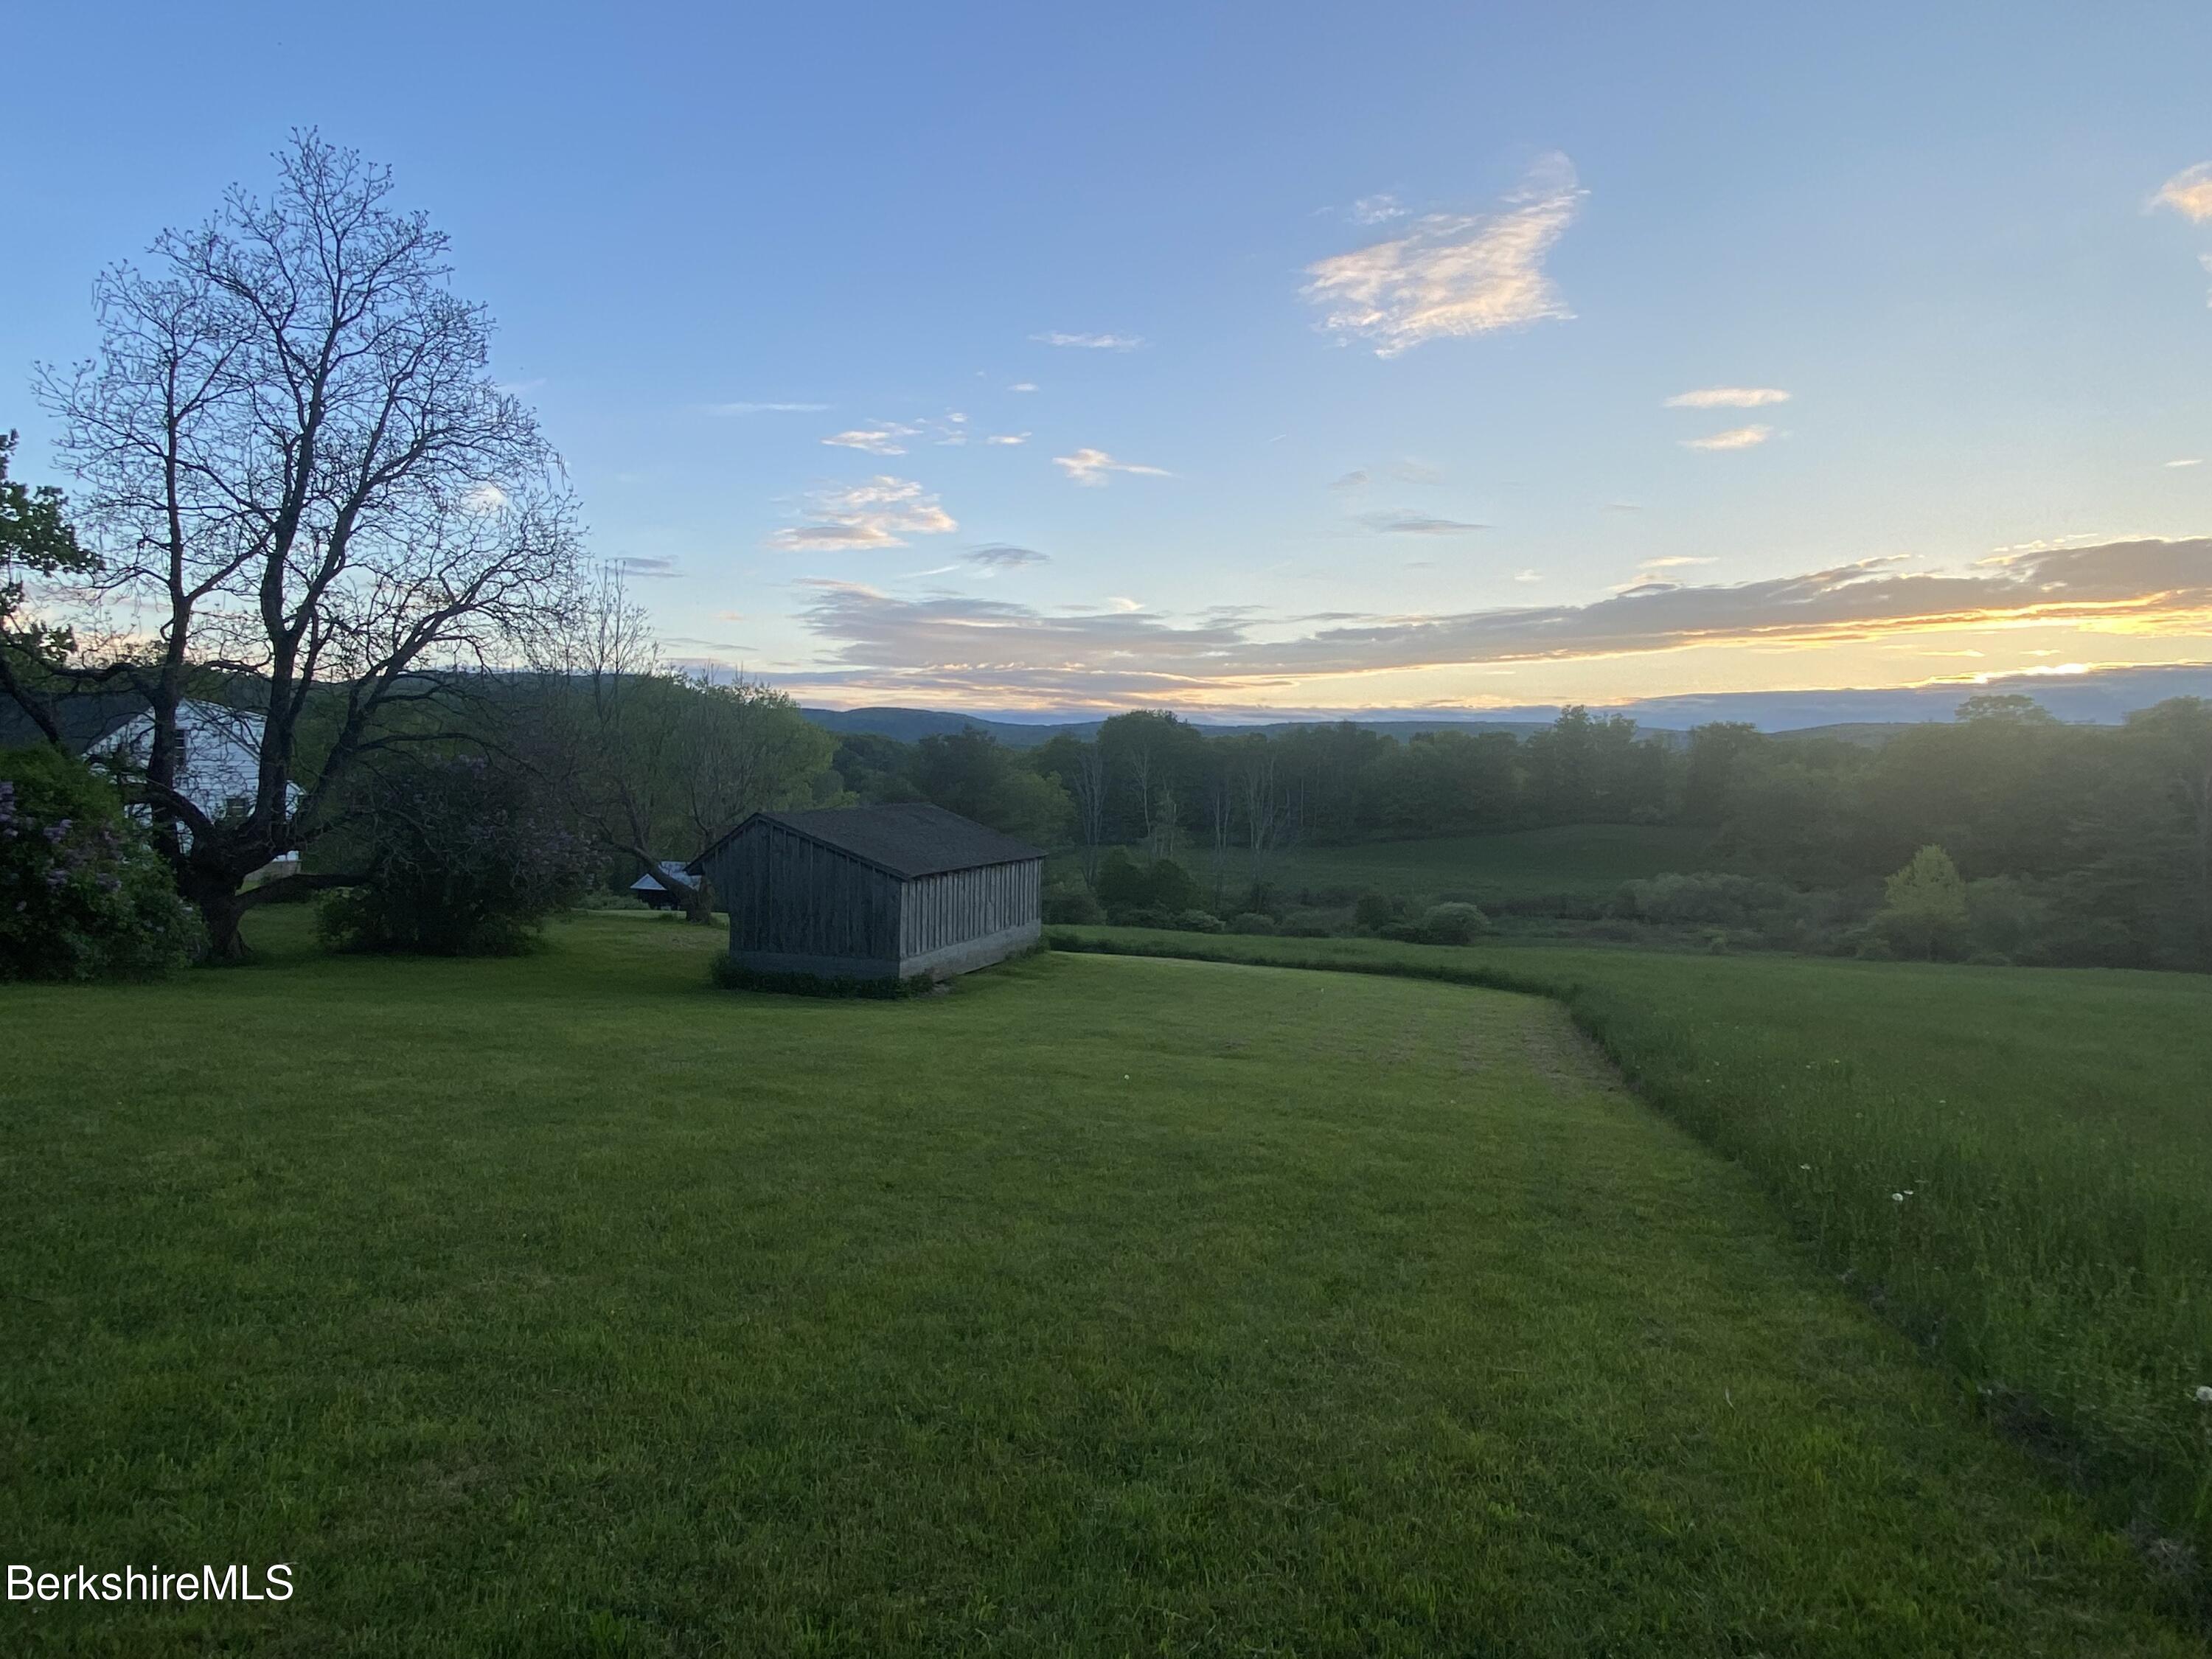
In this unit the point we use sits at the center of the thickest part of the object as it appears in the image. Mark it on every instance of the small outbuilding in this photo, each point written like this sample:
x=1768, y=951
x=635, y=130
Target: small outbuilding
x=664, y=890
x=874, y=892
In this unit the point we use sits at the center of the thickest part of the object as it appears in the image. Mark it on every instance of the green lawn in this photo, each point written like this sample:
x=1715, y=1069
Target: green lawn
x=566, y=1305
x=1583, y=860
x=2016, y=1166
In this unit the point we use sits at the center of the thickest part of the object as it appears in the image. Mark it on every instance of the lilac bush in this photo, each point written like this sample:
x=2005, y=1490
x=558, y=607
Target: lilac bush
x=83, y=895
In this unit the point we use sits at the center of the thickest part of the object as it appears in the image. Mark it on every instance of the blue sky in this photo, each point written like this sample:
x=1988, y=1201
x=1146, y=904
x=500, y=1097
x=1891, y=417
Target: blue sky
x=1396, y=300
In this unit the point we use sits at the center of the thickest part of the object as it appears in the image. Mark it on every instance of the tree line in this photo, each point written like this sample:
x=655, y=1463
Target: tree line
x=2096, y=839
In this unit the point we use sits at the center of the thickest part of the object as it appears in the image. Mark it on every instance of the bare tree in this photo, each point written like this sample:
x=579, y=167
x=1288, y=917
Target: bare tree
x=316, y=507
x=1166, y=832
x=744, y=748
x=1089, y=792
x=606, y=729
x=653, y=763
x=1263, y=802
x=1140, y=775
x=1220, y=792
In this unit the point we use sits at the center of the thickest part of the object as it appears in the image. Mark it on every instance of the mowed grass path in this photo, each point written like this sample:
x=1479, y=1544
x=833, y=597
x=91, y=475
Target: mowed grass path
x=2014, y=1164
x=568, y=1305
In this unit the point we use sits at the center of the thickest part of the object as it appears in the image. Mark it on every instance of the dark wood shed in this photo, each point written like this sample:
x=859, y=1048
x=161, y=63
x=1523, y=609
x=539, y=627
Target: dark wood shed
x=874, y=892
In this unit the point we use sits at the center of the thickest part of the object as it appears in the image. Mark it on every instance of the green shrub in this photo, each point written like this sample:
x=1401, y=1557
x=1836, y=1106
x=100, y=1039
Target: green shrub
x=1375, y=911
x=1453, y=924
x=1708, y=897
x=1196, y=922
x=460, y=861
x=1127, y=889
x=82, y=895
x=725, y=971
x=1924, y=911
x=1252, y=921
x=2005, y=915
x=1077, y=905
x=607, y=898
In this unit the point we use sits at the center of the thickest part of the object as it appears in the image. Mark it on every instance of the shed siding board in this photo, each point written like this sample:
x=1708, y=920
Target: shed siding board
x=963, y=905
x=790, y=897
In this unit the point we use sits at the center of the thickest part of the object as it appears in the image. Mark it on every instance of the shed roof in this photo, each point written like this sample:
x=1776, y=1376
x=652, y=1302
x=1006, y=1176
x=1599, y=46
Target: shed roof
x=668, y=875
x=907, y=839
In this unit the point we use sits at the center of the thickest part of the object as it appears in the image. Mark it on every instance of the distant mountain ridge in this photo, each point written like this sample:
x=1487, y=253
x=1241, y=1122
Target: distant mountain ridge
x=2103, y=697
x=912, y=725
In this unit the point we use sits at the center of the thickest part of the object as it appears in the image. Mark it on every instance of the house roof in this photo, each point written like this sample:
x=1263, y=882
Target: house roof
x=85, y=717
x=667, y=873
x=907, y=839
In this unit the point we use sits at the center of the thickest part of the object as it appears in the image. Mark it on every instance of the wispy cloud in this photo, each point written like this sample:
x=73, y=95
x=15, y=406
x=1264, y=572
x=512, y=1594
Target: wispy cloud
x=1452, y=275
x=1355, y=479
x=1089, y=341
x=1001, y=556
x=1007, y=438
x=766, y=408
x=516, y=388
x=1674, y=562
x=1418, y=523
x=891, y=437
x=1090, y=466
x=2187, y=460
x=656, y=569
x=881, y=513
x=979, y=646
x=1416, y=472
x=1528, y=576
x=1376, y=210
x=885, y=438
x=2189, y=192
x=1023, y=386
x=1737, y=437
x=1728, y=397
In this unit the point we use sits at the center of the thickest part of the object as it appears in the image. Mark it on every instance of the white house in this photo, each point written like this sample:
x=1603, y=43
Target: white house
x=219, y=770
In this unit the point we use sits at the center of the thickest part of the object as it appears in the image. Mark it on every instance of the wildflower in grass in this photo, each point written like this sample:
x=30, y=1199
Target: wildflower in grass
x=2203, y=1395
x=1897, y=1198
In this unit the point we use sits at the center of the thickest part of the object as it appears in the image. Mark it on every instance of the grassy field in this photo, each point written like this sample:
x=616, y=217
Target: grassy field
x=1579, y=859
x=566, y=1305
x=2016, y=1166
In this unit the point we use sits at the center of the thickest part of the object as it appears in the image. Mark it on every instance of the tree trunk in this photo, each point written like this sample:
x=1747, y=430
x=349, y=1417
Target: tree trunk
x=221, y=909
x=699, y=903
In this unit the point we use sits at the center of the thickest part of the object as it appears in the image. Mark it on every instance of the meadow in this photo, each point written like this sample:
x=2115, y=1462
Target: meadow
x=564, y=1304
x=1574, y=860
x=1581, y=863
x=2012, y=1165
